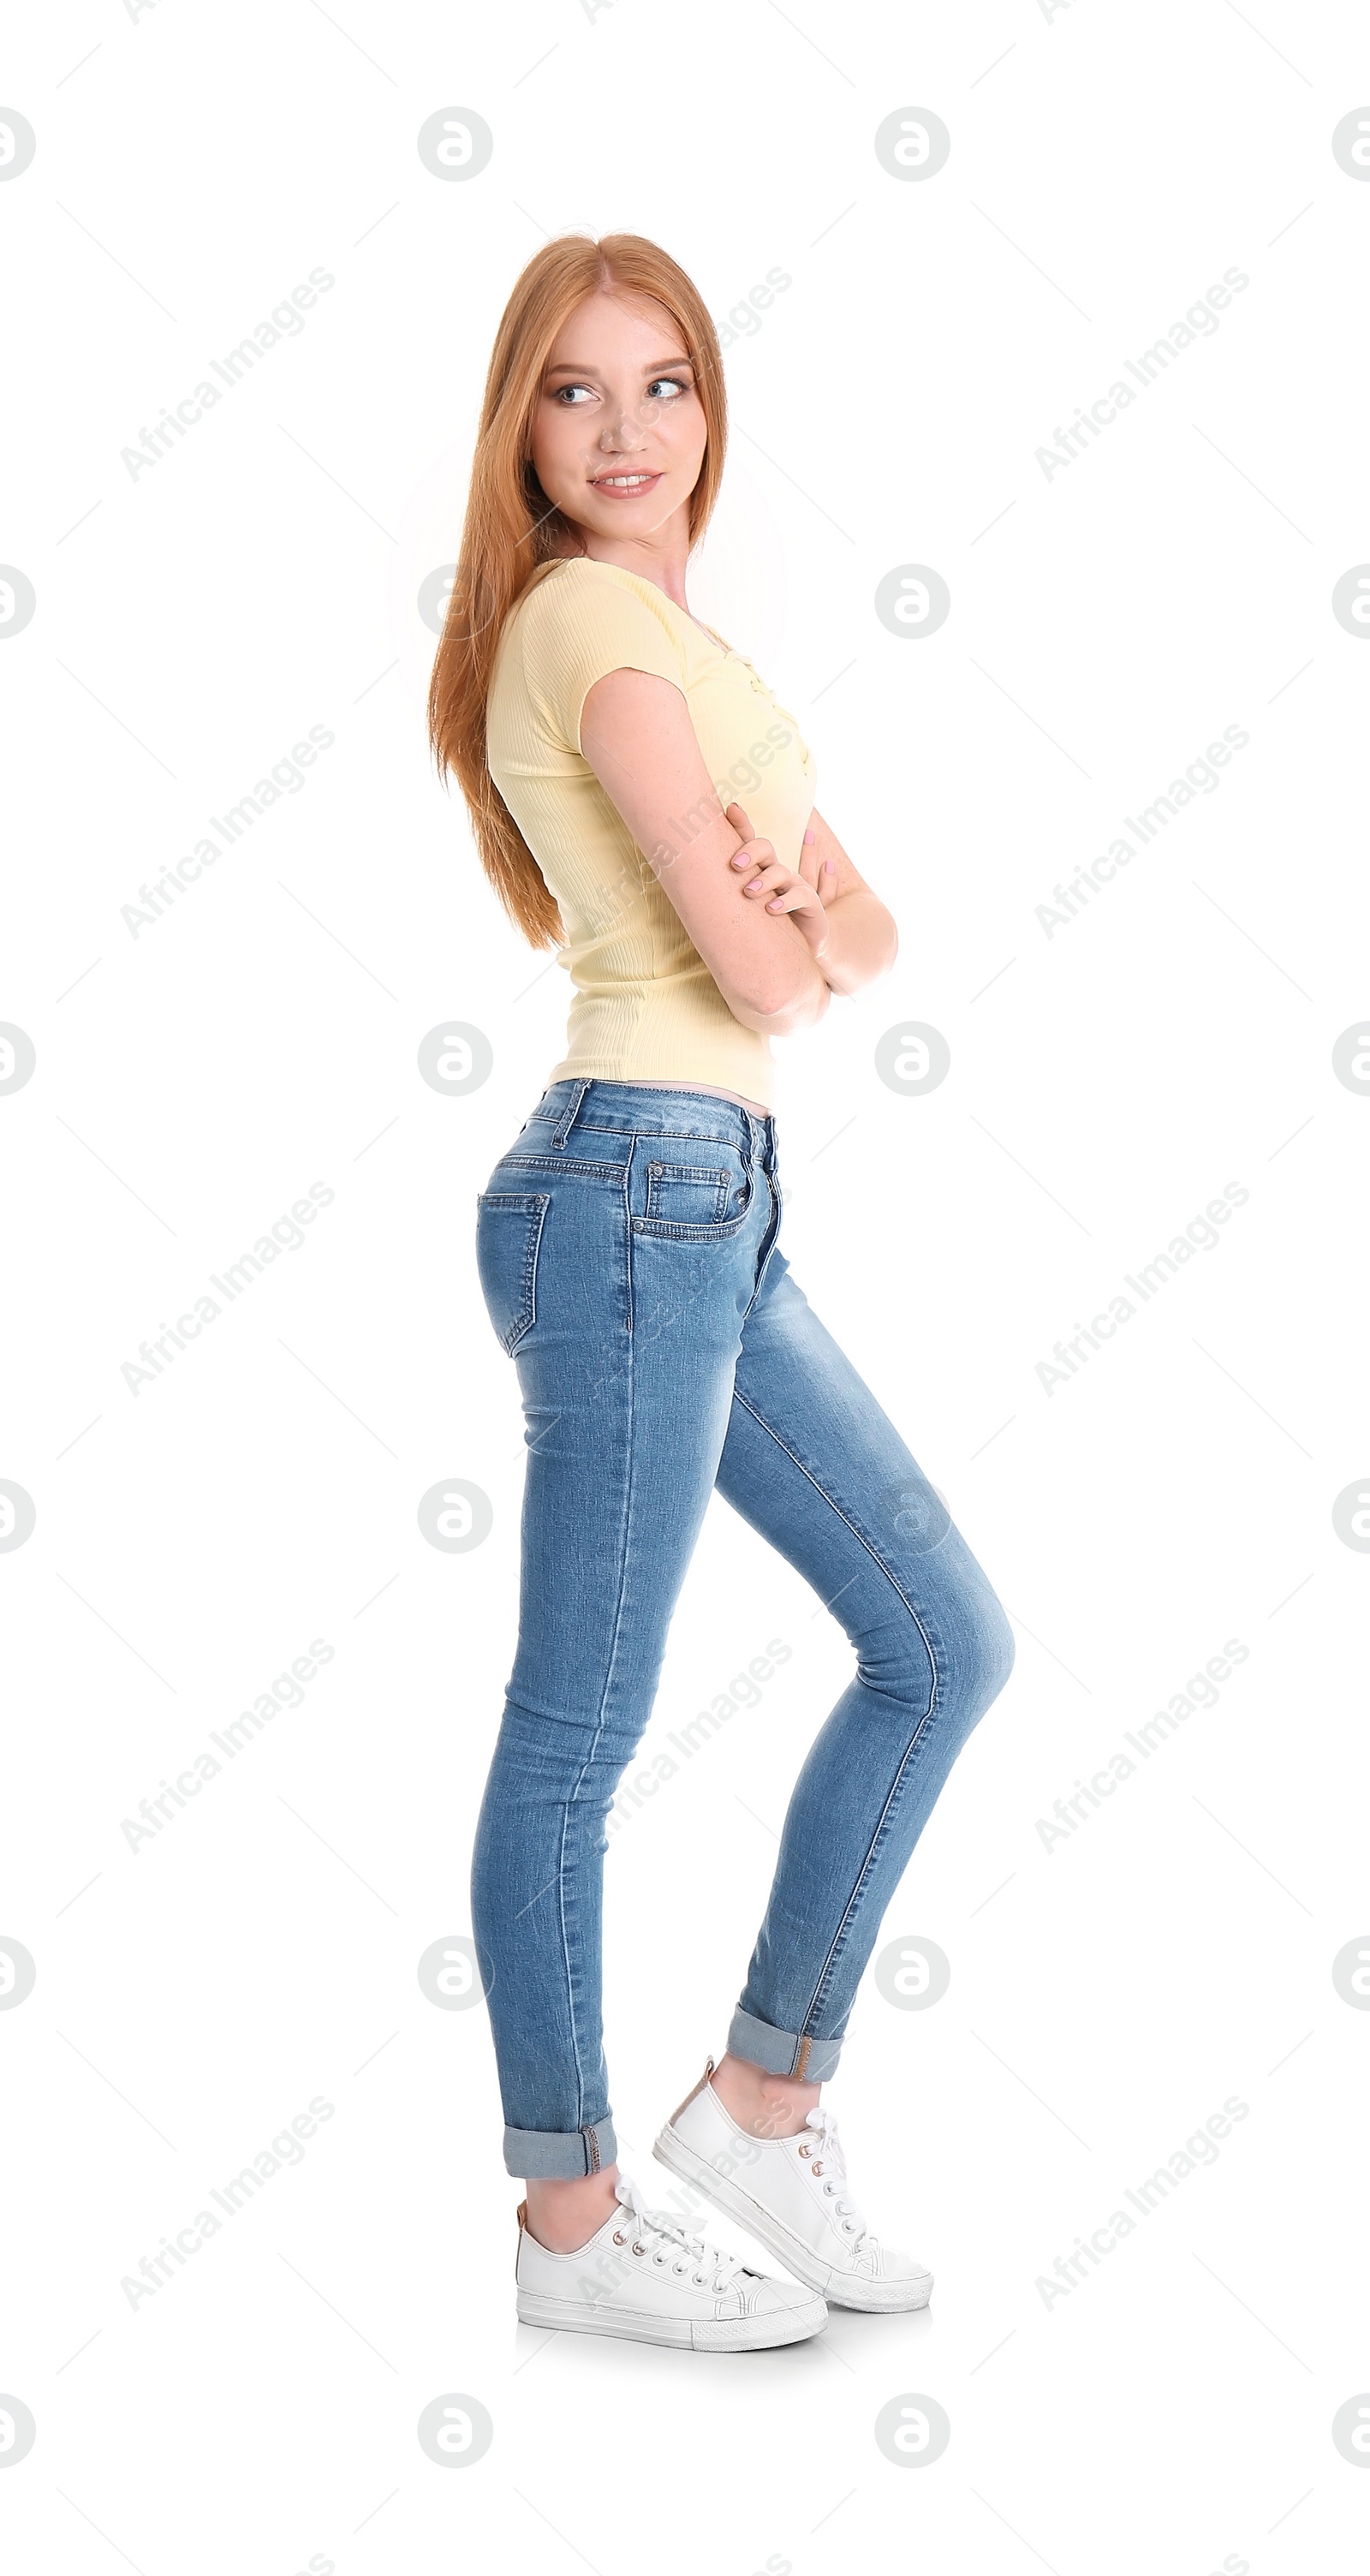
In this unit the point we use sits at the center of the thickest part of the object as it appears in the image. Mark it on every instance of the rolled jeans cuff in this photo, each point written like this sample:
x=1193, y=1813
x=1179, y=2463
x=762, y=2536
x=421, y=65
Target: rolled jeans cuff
x=782, y=2052
x=560, y=2155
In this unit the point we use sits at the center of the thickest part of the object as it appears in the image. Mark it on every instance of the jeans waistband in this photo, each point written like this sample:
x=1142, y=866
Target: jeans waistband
x=644, y=1109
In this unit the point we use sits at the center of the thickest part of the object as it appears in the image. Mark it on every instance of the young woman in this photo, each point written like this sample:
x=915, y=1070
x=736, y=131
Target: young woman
x=627, y=1248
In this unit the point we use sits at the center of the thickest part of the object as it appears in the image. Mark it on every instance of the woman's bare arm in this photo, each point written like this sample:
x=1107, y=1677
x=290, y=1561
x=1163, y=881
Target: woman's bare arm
x=636, y=733
x=862, y=941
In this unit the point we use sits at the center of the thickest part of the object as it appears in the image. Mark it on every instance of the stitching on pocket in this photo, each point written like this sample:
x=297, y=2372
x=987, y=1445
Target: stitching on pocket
x=666, y=1229
x=535, y=1206
x=611, y=1172
x=663, y=1176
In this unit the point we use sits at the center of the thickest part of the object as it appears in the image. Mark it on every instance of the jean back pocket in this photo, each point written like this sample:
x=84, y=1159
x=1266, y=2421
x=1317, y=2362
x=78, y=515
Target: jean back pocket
x=508, y=1238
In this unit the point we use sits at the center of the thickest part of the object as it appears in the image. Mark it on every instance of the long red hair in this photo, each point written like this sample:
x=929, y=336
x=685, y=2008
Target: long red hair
x=511, y=529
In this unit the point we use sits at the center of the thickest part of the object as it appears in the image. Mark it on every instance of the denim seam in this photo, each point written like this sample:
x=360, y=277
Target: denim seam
x=591, y=1748
x=820, y=1994
x=770, y=1240
x=625, y=1173
x=555, y=1163
x=835, y=1506
x=803, y=2042
x=695, y=1135
x=817, y=1998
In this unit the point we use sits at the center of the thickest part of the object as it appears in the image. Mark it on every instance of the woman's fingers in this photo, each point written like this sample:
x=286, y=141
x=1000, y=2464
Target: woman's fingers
x=778, y=880
x=810, y=866
x=783, y=889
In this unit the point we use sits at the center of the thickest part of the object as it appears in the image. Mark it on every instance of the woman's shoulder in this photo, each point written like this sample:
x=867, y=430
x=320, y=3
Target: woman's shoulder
x=574, y=588
x=575, y=620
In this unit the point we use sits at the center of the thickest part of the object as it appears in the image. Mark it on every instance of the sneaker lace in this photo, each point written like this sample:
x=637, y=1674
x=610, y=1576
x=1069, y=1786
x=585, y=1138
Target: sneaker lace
x=830, y=2153
x=709, y=2265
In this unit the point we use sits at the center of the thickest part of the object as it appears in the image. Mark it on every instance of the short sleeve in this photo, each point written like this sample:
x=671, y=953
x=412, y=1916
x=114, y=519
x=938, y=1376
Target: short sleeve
x=581, y=621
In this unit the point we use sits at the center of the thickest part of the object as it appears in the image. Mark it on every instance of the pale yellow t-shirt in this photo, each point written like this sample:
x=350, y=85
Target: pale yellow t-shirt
x=644, y=1003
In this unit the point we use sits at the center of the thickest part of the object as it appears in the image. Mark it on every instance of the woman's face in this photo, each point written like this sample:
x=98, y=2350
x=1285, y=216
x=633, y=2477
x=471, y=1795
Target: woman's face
x=618, y=427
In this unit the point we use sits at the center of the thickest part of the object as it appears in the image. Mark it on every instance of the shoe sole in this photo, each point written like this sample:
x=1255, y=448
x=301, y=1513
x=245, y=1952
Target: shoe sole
x=873, y=2298
x=689, y=2334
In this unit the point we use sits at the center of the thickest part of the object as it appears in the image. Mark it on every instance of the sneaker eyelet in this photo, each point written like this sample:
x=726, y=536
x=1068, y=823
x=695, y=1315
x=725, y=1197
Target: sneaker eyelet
x=806, y=2151
x=818, y=2169
x=618, y=2239
x=639, y=2249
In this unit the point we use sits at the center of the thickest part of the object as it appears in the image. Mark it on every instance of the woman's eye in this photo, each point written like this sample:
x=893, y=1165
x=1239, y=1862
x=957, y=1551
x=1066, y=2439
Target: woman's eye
x=669, y=387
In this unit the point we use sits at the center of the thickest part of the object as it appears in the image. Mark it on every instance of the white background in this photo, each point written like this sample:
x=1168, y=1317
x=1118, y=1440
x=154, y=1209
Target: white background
x=1108, y=164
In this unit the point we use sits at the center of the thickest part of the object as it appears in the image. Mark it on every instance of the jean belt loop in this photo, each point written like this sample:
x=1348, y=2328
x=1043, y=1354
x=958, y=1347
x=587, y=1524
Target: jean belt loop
x=568, y=1117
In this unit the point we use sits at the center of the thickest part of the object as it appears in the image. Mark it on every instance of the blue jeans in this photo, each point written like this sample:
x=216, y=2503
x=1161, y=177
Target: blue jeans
x=628, y=1257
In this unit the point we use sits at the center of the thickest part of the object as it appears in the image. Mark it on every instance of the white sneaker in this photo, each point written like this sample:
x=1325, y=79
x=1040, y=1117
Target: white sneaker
x=642, y=2277
x=792, y=2194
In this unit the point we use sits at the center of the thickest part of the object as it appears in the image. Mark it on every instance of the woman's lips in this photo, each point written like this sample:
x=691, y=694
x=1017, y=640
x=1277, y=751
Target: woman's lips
x=622, y=492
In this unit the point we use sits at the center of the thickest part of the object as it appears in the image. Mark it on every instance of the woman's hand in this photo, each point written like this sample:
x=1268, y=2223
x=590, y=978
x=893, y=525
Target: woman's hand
x=638, y=738
x=782, y=889
x=821, y=873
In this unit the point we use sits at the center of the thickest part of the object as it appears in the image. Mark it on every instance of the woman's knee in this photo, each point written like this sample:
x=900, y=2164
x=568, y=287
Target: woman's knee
x=997, y=1646
x=897, y=1660
x=961, y=1668
x=964, y=1649
x=980, y=1658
